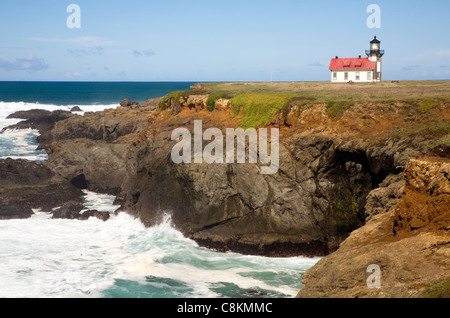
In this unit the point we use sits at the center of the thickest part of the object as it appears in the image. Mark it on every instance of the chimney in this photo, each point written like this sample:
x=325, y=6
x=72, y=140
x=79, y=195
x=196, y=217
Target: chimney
x=337, y=57
x=360, y=57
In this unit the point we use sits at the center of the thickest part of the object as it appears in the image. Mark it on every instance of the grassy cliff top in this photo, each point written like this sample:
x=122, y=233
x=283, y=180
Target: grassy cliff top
x=326, y=91
x=371, y=110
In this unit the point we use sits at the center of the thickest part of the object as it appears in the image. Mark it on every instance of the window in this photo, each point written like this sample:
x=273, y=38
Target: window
x=334, y=76
x=357, y=76
x=379, y=76
x=369, y=76
x=346, y=76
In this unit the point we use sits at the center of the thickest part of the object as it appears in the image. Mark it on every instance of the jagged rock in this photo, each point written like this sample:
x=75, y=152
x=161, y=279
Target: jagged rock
x=384, y=198
x=88, y=164
x=151, y=104
x=27, y=185
x=103, y=216
x=39, y=119
x=222, y=104
x=70, y=210
x=197, y=102
x=196, y=87
x=410, y=244
x=108, y=126
x=76, y=109
x=128, y=103
x=15, y=209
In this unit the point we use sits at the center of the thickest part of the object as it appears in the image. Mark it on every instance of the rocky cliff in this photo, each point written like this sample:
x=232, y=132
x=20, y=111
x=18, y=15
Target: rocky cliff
x=343, y=167
x=26, y=185
x=328, y=167
x=410, y=243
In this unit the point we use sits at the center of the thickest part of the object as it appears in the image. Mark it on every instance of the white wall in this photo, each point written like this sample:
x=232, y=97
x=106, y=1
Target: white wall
x=363, y=76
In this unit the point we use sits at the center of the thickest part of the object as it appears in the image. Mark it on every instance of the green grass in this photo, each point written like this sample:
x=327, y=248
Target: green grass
x=427, y=105
x=438, y=291
x=172, y=99
x=335, y=110
x=258, y=109
x=435, y=130
x=443, y=142
x=326, y=91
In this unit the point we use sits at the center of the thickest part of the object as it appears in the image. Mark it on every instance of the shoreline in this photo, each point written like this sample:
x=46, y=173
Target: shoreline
x=343, y=159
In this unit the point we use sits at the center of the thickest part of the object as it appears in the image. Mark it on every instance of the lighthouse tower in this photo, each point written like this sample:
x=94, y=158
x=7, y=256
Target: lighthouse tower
x=375, y=54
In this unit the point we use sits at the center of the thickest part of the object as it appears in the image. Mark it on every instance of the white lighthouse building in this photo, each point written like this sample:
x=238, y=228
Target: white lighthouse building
x=359, y=70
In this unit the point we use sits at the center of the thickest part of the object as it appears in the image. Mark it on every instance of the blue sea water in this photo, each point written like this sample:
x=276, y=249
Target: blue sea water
x=85, y=93
x=120, y=258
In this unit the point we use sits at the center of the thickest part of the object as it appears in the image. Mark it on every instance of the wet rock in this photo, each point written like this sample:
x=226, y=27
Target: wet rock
x=27, y=185
x=42, y=120
x=70, y=210
x=103, y=216
x=76, y=109
x=15, y=209
x=73, y=211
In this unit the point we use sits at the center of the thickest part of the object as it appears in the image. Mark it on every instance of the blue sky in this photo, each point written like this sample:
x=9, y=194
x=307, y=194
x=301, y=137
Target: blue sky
x=207, y=40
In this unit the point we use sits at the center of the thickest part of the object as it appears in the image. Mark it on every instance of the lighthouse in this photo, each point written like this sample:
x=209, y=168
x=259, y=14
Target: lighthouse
x=359, y=69
x=375, y=54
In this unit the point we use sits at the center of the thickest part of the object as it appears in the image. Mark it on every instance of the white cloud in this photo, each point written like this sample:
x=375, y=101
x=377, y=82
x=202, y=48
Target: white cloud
x=29, y=63
x=83, y=52
x=147, y=53
x=73, y=74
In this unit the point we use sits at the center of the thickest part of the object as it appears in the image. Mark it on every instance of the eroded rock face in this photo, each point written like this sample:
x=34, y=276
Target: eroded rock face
x=27, y=185
x=314, y=201
x=42, y=120
x=426, y=202
x=319, y=195
x=94, y=148
x=410, y=243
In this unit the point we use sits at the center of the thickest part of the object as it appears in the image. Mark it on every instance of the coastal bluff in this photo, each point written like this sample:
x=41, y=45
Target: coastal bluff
x=409, y=243
x=355, y=162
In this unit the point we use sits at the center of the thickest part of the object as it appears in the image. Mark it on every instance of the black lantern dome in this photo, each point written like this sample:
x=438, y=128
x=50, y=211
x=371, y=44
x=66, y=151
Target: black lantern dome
x=375, y=46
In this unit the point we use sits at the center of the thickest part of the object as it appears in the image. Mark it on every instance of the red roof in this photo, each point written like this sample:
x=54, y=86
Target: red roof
x=352, y=64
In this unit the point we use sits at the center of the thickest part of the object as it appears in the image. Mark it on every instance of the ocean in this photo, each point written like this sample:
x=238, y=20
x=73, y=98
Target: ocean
x=119, y=258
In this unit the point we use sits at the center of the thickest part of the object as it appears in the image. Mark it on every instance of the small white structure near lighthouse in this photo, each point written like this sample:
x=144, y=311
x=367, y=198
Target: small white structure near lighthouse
x=359, y=70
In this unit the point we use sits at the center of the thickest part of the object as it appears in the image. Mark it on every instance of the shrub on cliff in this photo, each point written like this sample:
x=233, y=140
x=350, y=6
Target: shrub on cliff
x=427, y=105
x=335, y=110
x=172, y=99
x=258, y=109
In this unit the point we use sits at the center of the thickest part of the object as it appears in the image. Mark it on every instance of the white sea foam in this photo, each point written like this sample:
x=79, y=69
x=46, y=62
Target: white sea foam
x=41, y=257
x=21, y=143
x=7, y=108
